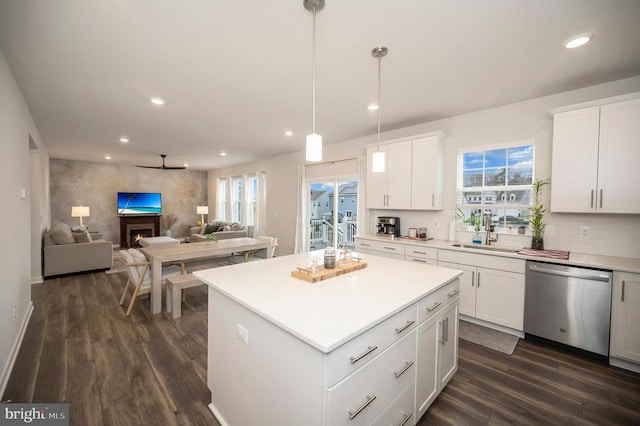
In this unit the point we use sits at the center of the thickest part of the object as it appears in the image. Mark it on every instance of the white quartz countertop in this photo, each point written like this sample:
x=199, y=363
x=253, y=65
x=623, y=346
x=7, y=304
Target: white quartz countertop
x=331, y=312
x=622, y=264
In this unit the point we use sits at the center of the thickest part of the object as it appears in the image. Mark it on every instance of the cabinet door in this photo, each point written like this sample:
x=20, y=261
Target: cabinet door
x=448, y=364
x=376, y=182
x=467, y=287
x=500, y=297
x=426, y=173
x=399, y=175
x=625, y=337
x=619, y=157
x=575, y=160
x=427, y=371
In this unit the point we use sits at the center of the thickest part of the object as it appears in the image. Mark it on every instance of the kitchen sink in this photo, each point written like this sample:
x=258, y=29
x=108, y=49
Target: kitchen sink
x=486, y=248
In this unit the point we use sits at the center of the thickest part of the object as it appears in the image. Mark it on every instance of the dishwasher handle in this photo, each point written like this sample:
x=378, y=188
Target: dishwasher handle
x=593, y=277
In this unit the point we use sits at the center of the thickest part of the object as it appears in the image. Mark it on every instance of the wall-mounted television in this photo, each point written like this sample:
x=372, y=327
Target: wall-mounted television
x=130, y=203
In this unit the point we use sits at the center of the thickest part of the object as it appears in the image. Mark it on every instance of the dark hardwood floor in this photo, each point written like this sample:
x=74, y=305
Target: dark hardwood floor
x=112, y=370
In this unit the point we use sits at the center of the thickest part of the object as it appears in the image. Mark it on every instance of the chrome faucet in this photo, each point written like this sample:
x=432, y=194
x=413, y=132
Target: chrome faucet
x=487, y=227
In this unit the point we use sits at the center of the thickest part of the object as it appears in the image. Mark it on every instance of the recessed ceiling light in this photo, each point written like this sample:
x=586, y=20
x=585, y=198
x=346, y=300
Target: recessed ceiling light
x=372, y=107
x=577, y=41
x=107, y=157
x=157, y=101
x=288, y=133
x=124, y=140
x=222, y=153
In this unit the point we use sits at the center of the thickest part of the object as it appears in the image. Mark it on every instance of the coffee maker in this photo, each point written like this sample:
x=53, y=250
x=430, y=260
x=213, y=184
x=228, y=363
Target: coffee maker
x=389, y=225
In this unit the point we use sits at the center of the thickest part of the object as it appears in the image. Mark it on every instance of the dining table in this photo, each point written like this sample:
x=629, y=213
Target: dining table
x=189, y=252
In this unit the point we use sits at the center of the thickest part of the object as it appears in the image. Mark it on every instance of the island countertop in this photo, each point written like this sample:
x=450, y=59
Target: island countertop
x=328, y=313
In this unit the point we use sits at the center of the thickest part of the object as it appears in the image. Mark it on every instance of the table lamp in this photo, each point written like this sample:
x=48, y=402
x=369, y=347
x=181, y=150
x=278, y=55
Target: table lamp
x=202, y=210
x=80, y=211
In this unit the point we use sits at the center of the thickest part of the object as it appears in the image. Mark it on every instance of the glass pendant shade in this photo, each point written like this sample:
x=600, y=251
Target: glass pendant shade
x=314, y=147
x=378, y=162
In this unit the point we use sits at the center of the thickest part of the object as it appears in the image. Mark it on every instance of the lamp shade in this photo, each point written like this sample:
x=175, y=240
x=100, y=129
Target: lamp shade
x=80, y=211
x=202, y=209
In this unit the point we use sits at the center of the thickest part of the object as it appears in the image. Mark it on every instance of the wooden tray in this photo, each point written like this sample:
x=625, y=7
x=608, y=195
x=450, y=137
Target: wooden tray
x=342, y=267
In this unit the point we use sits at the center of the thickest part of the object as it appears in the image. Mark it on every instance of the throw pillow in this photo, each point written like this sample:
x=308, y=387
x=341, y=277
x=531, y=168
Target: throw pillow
x=61, y=234
x=81, y=236
x=226, y=228
x=210, y=229
x=236, y=227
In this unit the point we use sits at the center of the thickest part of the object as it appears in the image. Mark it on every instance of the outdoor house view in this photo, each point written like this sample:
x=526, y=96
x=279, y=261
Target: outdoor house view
x=325, y=226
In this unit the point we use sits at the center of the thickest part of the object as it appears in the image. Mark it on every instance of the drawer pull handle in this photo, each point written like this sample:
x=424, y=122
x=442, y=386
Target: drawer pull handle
x=454, y=292
x=407, y=416
x=353, y=414
x=420, y=252
x=355, y=359
x=365, y=244
x=407, y=365
x=419, y=260
x=404, y=327
x=389, y=248
x=435, y=305
x=623, y=284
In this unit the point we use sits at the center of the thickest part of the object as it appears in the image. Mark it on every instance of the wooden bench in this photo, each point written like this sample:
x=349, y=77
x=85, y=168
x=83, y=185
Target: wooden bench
x=173, y=292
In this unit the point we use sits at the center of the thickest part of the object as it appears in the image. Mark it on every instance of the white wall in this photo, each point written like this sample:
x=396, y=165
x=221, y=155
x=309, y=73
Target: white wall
x=615, y=235
x=16, y=124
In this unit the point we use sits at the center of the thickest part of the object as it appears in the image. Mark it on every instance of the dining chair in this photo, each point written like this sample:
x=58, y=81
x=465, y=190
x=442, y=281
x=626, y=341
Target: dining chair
x=139, y=275
x=252, y=255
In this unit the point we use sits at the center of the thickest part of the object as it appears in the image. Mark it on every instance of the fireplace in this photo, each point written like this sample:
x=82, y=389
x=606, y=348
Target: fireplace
x=133, y=228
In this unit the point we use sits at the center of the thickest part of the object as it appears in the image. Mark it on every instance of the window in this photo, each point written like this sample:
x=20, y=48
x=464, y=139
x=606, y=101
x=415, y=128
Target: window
x=236, y=199
x=496, y=184
x=223, y=199
x=252, y=199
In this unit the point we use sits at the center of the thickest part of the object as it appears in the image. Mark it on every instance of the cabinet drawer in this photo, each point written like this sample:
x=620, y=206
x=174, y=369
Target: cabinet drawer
x=361, y=398
x=358, y=351
x=400, y=412
x=421, y=252
x=486, y=261
x=421, y=260
x=435, y=301
x=381, y=246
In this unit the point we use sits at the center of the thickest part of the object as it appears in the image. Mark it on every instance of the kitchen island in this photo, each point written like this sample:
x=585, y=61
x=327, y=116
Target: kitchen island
x=369, y=346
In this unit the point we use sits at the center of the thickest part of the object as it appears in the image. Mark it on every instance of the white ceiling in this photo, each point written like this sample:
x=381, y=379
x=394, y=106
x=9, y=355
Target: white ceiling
x=237, y=73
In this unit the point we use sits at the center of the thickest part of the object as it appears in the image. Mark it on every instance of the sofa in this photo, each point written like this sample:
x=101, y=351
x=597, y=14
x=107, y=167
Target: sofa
x=221, y=229
x=67, y=251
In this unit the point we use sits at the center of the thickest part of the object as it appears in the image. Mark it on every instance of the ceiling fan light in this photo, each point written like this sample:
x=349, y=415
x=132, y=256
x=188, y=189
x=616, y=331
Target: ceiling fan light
x=378, y=162
x=314, y=147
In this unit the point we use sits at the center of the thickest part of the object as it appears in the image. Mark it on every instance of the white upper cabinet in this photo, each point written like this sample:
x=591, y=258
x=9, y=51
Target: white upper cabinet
x=596, y=152
x=426, y=173
x=413, y=174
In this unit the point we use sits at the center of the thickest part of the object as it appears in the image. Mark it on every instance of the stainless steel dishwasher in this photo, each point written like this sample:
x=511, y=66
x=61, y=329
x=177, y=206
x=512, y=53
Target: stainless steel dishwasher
x=568, y=305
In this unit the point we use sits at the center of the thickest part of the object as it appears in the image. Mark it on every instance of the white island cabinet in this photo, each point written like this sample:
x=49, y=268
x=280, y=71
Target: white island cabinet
x=344, y=351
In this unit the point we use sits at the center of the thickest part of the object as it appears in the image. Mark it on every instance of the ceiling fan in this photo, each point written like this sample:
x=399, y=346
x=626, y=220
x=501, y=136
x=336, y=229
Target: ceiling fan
x=163, y=167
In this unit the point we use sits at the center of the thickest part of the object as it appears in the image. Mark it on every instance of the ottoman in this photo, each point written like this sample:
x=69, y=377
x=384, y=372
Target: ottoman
x=152, y=241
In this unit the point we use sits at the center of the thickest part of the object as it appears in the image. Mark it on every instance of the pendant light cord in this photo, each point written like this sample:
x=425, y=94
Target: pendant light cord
x=379, y=95
x=313, y=62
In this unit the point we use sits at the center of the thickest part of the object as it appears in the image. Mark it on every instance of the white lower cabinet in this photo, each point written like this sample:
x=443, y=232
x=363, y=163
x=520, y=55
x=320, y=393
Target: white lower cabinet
x=491, y=287
x=625, y=316
x=420, y=254
x=437, y=355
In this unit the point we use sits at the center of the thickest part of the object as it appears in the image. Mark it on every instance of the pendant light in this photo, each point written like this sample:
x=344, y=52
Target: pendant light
x=314, y=140
x=378, y=157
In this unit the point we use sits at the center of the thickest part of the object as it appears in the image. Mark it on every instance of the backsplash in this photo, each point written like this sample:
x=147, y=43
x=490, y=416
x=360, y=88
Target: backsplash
x=75, y=183
x=607, y=234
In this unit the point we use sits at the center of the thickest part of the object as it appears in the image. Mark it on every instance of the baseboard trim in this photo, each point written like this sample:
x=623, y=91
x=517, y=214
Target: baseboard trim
x=627, y=365
x=493, y=326
x=8, y=368
x=217, y=415
x=37, y=280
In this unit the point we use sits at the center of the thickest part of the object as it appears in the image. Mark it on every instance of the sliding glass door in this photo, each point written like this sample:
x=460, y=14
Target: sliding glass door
x=333, y=210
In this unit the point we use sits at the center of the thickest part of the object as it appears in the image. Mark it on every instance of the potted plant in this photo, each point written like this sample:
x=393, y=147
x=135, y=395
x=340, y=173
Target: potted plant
x=168, y=221
x=211, y=237
x=536, y=218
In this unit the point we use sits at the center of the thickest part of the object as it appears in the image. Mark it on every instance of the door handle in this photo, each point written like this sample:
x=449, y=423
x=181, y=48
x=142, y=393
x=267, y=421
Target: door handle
x=623, y=285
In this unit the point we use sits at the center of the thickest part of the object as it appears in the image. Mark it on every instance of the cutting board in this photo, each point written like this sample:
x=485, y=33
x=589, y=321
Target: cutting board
x=343, y=267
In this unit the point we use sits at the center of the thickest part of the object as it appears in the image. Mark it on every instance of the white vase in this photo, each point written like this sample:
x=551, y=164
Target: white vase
x=168, y=233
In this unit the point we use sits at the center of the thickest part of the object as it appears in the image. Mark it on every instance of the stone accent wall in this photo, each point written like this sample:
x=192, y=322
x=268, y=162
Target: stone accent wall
x=96, y=185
